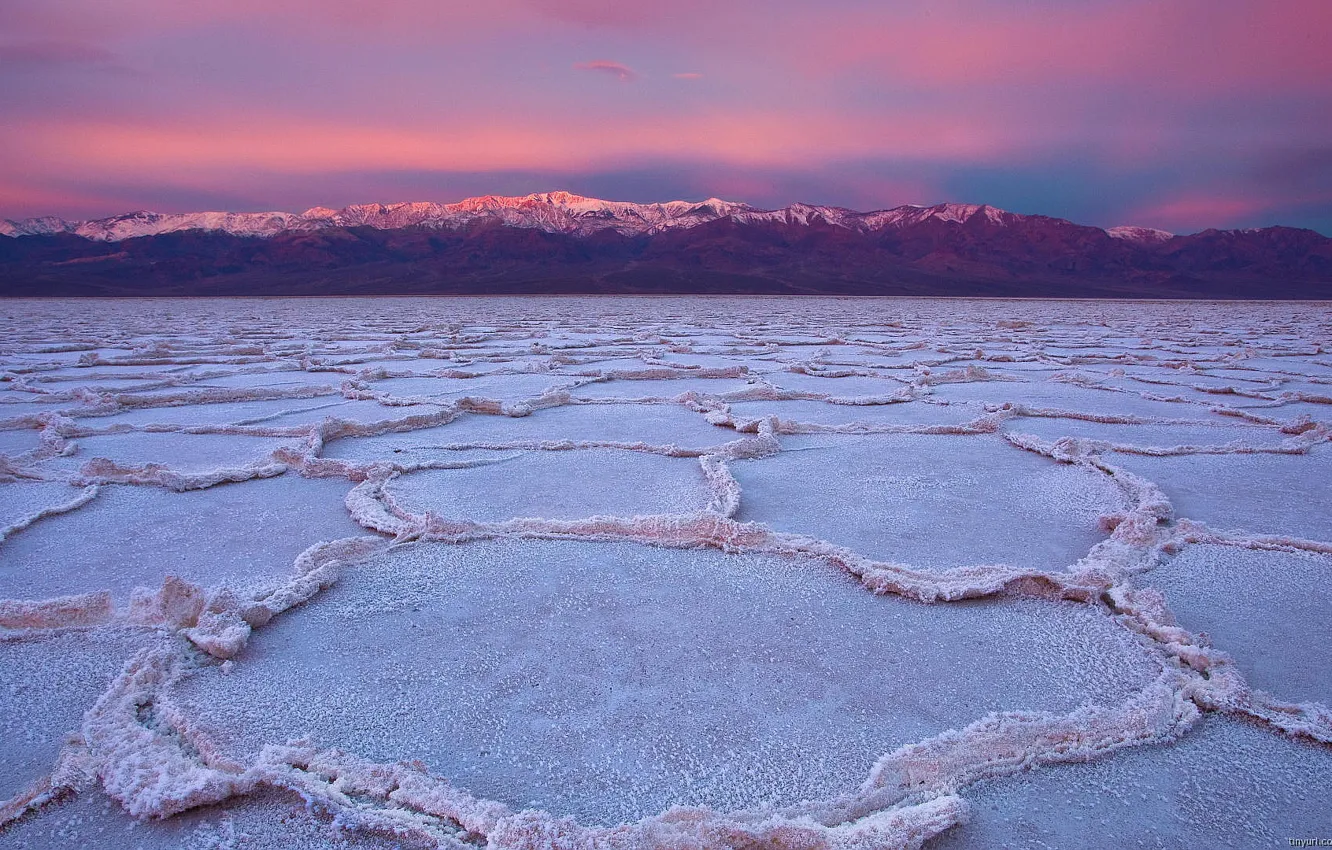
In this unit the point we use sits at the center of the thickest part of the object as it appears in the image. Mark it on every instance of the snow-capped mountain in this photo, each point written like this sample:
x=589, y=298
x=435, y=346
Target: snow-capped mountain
x=552, y=212
x=1142, y=235
x=558, y=242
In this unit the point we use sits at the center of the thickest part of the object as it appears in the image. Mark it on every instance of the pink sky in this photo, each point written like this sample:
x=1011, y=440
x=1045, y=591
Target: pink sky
x=1180, y=114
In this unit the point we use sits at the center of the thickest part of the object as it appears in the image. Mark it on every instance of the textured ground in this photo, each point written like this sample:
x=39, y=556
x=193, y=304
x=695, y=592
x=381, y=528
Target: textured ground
x=685, y=573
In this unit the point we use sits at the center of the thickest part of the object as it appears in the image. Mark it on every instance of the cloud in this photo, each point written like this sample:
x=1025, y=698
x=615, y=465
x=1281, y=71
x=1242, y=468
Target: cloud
x=623, y=72
x=1195, y=210
x=1206, y=111
x=634, y=15
x=48, y=54
x=1194, y=46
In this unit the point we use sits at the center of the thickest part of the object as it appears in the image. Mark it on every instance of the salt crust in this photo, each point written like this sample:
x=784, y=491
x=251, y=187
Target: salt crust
x=144, y=754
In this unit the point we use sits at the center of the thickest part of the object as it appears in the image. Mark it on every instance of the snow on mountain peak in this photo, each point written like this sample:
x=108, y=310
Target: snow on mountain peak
x=553, y=212
x=1140, y=235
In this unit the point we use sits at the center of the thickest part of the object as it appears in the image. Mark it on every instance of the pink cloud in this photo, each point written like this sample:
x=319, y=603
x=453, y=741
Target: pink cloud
x=226, y=139
x=401, y=21
x=1195, y=45
x=1190, y=212
x=1195, y=90
x=52, y=53
x=623, y=72
x=626, y=14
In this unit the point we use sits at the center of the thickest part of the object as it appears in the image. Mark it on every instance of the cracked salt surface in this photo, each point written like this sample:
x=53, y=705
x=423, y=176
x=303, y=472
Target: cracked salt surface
x=47, y=682
x=1154, y=438
x=869, y=415
x=1204, y=488
x=1225, y=784
x=611, y=681
x=180, y=451
x=135, y=536
x=730, y=554
x=263, y=819
x=591, y=482
x=1280, y=637
x=931, y=501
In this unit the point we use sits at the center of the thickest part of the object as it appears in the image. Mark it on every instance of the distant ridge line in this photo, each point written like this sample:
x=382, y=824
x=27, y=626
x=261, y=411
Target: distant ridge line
x=552, y=212
x=560, y=243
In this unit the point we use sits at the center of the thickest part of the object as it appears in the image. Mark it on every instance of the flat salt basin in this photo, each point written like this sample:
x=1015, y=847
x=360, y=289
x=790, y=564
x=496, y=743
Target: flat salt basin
x=611, y=681
x=1054, y=395
x=849, y=386
x=278, y=413
x=1258, y=494
x=666, y=388
x=284, y=379
x=20, y=441
x=929, y=501
x=263, y=820
x=1226, y=783
x=20, y=500
x=906, y=413
x=1281, y=638
x=13, y=411
x=557, y=485
x=47, y=681
x=134, y=536
x=287, y=411
x=179, y=451
x=653, y=425
x=507, y=388
x=1052, y=429
x=100, y=383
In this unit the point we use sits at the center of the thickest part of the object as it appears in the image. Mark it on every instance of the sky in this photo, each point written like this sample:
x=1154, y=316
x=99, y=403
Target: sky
x=1177, y=114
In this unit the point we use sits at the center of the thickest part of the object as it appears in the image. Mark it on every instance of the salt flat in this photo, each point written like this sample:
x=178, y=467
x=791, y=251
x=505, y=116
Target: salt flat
x=659, y=572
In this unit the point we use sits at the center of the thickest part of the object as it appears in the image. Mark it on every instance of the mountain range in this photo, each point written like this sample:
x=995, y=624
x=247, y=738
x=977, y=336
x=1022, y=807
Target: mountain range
x=564, y=243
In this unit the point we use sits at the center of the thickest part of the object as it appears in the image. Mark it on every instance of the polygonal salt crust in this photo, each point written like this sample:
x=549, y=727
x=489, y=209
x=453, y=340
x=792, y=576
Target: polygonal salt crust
x=1281, y=637
x=708, y=361
x=1321, y=388
x=279, y=413
x=660, y=387
x=1291, y=365
x=264, y=412
x=266, y=820
x=128, y=536
x=850, y=386
x=929, y=501
x=909, y=413
x=1054, y=395
x=903, y=364
x=104, y=383
x=656, y=425
x=503, y=387
x=1240, y=374
x=591, y=361
x=610, y=681
x=1259, y=494
x=558, y=485
x=1191, y=389
x=16, y=409
x=179, y=451
x=1290, y=411
x=22, y=499
x=284, y=379
x=1227, y=783
x=47, y=682
x=1155, y=436
x=17, y=442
